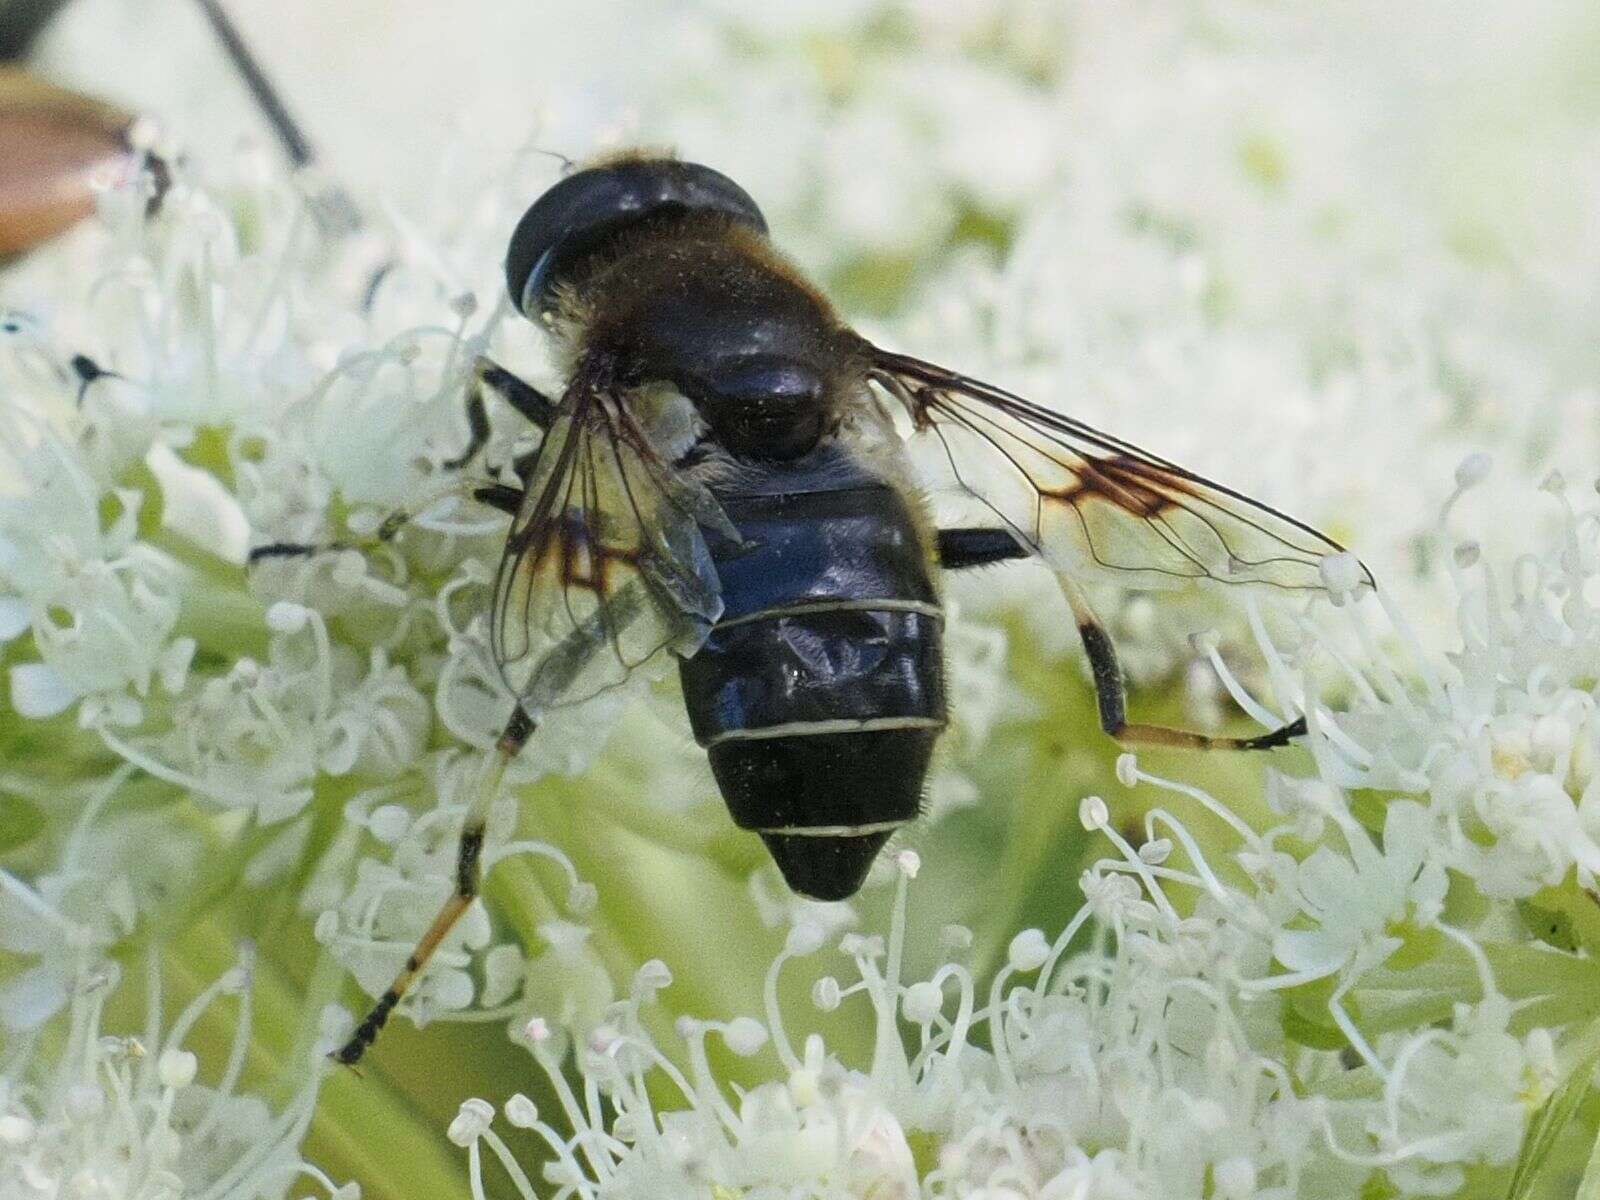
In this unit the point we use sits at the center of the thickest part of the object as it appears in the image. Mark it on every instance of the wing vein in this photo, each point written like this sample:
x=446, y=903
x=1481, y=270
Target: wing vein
x=604, y=565
x=1134, y=513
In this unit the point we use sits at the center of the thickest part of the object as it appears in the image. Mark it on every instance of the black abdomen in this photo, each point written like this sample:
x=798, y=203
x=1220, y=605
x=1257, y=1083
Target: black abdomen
x=820, y=692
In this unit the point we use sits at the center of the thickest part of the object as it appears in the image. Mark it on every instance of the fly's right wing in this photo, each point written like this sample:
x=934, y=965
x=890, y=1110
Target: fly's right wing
x=1089, y=503
x=606, y=564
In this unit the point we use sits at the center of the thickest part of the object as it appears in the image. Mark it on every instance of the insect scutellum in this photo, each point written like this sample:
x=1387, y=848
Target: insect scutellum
x=780, y=553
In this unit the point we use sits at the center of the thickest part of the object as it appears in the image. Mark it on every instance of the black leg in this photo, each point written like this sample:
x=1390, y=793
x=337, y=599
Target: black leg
x=1111, y=697
x=520, y=395
x=369, y=297
x=963, y=548
x=469, y=875
x=392, y=524
x=160, y=174
x=523, y=397
x=494, y=495
x=477, y=430
x=292, y=550
x=332, y=206
x=285, y=127
x=499, y=496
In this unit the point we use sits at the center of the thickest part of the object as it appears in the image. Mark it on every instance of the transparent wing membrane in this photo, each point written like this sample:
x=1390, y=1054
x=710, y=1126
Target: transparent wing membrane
x=606, y=564
x=1090, y=503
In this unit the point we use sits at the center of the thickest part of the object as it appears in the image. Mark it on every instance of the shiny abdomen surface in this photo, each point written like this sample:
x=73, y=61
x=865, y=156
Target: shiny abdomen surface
x=820, y=692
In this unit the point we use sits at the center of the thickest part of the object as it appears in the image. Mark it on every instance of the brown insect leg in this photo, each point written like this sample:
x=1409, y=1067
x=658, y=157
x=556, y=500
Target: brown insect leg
x=469, y=874
x=1111, y=696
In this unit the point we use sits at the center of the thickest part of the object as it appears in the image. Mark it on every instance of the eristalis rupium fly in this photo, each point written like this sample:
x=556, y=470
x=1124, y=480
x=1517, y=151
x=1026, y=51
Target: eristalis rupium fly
x=724, y=478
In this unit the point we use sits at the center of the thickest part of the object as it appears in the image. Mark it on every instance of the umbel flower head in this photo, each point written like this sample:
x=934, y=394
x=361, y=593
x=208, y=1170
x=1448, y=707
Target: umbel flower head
x=1349, y=1002
x=1371, y=976
x=279, y=752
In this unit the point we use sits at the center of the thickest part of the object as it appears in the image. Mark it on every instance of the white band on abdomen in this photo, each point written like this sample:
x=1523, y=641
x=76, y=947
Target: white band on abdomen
x=811, y=728
x=822, y=606
x=830, y=831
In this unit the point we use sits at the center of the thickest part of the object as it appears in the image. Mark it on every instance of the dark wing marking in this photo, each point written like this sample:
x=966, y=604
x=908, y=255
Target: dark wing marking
x=606, y=563
x=1088, y=502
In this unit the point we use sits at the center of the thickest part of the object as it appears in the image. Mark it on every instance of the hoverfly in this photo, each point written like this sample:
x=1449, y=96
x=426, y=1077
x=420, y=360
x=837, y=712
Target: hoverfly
x=722, y=479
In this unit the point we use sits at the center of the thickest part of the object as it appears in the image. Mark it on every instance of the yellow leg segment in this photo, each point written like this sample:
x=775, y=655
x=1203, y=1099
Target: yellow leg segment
x=469, y=874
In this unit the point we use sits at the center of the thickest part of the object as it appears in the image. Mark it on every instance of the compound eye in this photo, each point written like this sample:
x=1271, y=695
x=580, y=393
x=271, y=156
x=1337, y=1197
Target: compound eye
x=583, y=214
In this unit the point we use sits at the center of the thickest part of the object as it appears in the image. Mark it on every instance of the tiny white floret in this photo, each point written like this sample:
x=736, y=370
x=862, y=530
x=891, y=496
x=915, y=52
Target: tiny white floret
x=1028, y=950
x=472, y=1121
x=825, y=993
x=287, y=617
x=1093, y=813
x=922, y=1002
x=196, y=507
x=177, y=1068
x=744, y=1036
x=1127, y=770
x=522, y=1112
x=536, y=1030
x=1341, y=573
x=15, y=1131
x=1473, y=470
x=804, y=938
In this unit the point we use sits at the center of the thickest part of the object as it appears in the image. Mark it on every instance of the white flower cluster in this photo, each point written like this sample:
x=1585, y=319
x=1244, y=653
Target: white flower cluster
x=234, y=377
x=128, y=1116
x=128, y=507
x=1502, y=742
x=203, y=398
x=1229, y=234
x=1135, y=1062
x=1357, y=1001
x=102, y=605
x=1323, y=1016
x=1234, y=234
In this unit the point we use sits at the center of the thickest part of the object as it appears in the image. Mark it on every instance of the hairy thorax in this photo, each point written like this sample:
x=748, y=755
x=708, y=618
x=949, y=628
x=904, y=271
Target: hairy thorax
x=717, y=314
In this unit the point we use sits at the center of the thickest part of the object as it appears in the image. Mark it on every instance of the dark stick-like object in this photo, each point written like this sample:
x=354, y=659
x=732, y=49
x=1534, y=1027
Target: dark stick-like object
x=21, y=21
x=334, y=209
x=266, y=96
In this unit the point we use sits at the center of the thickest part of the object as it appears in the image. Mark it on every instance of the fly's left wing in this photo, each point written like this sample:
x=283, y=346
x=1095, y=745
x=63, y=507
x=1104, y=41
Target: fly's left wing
x=606, y=564
x=1091, y=503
